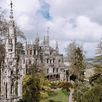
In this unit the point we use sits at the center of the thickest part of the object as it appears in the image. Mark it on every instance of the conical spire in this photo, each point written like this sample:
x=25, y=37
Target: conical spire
x=48, y=29
x=11, y=10
x=46, y=38
x=11, y=22
x=37, y=36
x=57, y=48
x=37, y=39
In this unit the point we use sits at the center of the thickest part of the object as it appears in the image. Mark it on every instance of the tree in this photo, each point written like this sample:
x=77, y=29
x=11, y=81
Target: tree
x=35, y=87
x=94, y=94
x=87, y=93
x=76, y=59
x=98, y=58
x=92, y=91
x=99, y=50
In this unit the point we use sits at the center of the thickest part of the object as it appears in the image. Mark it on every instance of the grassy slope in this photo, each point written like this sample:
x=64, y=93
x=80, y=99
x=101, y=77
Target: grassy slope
x=59, y=96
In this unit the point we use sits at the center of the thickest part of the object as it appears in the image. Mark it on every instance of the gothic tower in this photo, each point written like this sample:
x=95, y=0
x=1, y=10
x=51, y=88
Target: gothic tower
x=10, y=79
x=46, y=42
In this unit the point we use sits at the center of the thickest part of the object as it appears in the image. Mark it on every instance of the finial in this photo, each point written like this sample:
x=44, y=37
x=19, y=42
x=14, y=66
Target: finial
x=56, y=44
x=11, y=10
x=48, y=29
x=37, y=35
x=37, y=38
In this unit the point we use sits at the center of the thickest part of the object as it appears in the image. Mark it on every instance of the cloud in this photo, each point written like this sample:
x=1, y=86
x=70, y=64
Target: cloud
x=68, y=20
x=90, y=49
x=44, y=11
x=74, y=8
x=81, y=29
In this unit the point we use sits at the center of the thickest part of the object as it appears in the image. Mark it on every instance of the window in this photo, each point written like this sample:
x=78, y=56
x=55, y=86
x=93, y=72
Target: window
x=53, y=70
x=47, y=60
x=11, y=72
x=34, y=52
x=30, y=52
x=23, y=61
x=57, y=70
x=29, y=61
x=50, y=53
x=10, y=63
x=11, y=88
x=6, y=90
x=50, y=61
x=53, y=60
x=47, y=70
x=59, y=60
x=27, y=52
x=10, y=41
x=10, y=50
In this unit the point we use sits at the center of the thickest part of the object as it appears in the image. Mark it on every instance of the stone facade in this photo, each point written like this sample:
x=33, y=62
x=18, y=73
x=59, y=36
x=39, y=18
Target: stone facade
x=47, y=58
x=11, y=77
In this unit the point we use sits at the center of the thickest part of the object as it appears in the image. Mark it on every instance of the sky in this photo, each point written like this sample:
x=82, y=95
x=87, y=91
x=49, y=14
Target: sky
x=68, y=20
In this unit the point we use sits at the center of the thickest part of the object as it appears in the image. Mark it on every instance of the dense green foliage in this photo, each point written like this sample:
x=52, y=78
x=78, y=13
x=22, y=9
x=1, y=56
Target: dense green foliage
x=92, y=91
x=35, y=87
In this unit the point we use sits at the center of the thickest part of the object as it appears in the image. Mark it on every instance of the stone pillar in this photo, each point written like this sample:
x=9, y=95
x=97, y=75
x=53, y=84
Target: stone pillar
x=8, y=89
x=20, y=88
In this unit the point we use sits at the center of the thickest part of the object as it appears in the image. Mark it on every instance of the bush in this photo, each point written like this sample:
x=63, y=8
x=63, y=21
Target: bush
x=61, y=84
x=67, y=85
x=54, y=86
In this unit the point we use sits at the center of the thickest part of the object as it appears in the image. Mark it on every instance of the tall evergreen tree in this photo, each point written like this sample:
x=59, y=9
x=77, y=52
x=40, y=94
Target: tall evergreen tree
x=92, y=91
x=76, y=59
x=98, y=58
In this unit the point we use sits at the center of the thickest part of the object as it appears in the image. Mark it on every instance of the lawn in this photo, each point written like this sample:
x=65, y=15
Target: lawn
x=58, y=96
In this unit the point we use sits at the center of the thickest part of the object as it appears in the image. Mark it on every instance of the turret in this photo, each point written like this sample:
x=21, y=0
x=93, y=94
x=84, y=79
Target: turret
x=46, y=38
x=11, y=22
x=11, y=39
x=37, y=39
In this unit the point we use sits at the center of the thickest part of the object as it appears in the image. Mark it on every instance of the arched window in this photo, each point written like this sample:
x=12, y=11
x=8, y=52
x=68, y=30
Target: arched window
x=57, y=70
x=53, y=70
x=47, y=60
x=6, y=90
x=11, y=88
x=16, y=88
x=59, y=60
x=53, y=60
x=34, y=51
x=11, y=72
x=50, y=61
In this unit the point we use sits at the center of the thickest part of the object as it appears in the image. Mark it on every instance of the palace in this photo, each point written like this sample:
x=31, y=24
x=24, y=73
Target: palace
x=45, y=57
